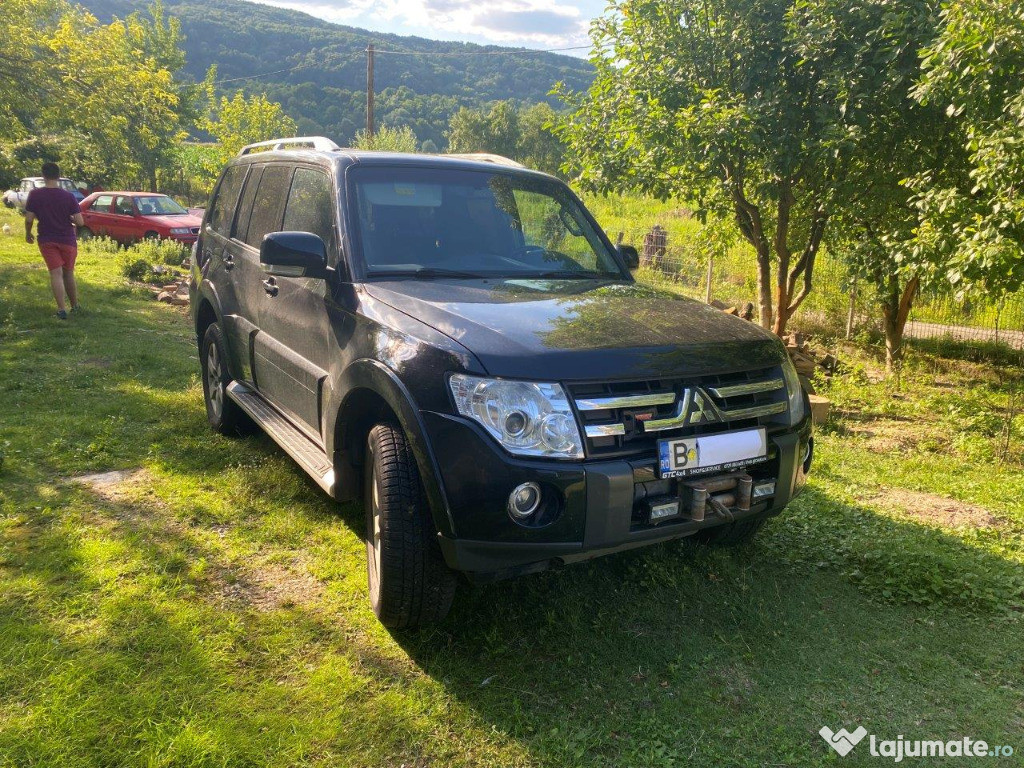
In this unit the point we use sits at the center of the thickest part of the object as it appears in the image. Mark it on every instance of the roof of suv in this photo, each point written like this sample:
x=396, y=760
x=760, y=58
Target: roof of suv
x=350, y=157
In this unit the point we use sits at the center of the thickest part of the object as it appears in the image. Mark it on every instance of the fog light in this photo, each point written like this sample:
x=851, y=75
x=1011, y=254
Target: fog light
x=524, y=500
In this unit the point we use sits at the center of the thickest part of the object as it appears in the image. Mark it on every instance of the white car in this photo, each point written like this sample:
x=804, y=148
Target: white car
x=16, y=198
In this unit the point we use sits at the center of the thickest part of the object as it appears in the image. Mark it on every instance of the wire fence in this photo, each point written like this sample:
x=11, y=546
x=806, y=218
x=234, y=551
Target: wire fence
x=838, y=305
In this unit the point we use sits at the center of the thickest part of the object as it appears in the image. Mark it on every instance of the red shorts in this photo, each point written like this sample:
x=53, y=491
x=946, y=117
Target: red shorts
x=57, y=255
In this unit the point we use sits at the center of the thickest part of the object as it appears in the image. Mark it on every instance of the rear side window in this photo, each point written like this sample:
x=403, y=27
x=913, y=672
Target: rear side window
x=268, y=208
x=102, y=204
x=222, y=211
x=310, y=206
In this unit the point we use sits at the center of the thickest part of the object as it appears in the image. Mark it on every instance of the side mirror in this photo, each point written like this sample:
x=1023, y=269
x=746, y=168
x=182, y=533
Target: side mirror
x=294, y=254
x=629, y=255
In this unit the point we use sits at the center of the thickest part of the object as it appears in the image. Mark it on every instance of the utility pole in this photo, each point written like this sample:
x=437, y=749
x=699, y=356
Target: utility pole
x=369, y=91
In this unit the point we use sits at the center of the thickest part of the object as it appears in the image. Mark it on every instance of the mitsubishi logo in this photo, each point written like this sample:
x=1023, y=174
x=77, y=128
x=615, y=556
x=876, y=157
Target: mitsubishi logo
x=696, y=407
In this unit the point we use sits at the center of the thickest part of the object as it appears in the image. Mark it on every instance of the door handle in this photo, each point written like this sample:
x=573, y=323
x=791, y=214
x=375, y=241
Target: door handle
x=229, y=261
x=270, y=286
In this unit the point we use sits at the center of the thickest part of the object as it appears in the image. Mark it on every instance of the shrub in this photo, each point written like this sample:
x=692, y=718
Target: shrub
x=138, y=262
x=134, y=267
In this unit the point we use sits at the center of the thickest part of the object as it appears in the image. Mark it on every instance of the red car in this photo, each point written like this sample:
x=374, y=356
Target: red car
x=128, y=217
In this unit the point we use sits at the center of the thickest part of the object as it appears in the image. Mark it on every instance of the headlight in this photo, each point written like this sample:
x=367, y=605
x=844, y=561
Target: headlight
x=527, y=418
x=181, y=231
x=794, y=391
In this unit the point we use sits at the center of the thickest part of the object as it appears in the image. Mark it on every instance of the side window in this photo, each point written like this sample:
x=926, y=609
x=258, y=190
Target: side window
x=124, y=206
x=268, y=208
x=245, y=204
x=102, y=204
x=222, y=212
x=310, y=205
x=549, y=226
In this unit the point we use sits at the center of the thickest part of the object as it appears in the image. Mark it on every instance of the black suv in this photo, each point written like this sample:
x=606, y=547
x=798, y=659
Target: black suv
x=455, y=341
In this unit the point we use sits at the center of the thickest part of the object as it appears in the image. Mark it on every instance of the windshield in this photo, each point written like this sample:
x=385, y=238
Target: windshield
x=435, y=222
x=158, y=205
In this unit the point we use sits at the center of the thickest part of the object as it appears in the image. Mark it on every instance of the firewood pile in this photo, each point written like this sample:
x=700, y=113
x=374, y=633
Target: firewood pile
x=746, y=311
x=806, y=360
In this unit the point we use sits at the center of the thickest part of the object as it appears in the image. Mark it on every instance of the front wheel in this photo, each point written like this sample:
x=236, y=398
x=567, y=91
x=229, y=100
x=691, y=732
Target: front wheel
x=222, y=412
x=84, y=233
x=409, y=581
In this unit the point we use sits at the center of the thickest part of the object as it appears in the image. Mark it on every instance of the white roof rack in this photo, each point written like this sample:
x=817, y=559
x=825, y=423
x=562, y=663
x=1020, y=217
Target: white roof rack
x=487, y=157
x=319, y=143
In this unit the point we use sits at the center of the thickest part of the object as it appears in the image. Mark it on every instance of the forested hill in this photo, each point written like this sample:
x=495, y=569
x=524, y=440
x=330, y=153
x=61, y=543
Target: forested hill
x=326, y=94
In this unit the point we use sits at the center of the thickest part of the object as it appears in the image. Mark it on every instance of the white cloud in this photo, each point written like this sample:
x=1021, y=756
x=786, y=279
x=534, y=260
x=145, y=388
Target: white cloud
x=532, y=23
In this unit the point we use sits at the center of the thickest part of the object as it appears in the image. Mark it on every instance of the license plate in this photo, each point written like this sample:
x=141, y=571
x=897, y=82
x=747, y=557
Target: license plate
x=687, y=455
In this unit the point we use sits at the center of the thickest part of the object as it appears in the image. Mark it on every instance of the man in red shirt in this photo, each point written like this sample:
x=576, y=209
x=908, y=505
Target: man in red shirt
x=58, y=214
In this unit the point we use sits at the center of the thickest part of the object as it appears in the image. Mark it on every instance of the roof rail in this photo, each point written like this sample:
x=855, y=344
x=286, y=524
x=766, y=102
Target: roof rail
x=488, y=157
x=319, y=143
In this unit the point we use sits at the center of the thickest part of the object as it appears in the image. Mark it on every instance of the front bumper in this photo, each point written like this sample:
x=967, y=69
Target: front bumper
x=602, y=501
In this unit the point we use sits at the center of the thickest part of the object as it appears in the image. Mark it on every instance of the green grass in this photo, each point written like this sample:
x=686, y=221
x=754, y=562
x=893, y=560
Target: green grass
x=212, y=610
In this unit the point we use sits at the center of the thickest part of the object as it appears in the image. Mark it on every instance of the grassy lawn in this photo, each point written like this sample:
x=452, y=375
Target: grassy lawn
x=208, y=607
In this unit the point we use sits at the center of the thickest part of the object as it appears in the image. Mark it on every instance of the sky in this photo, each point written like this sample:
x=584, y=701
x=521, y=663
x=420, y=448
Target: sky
x=525, y=23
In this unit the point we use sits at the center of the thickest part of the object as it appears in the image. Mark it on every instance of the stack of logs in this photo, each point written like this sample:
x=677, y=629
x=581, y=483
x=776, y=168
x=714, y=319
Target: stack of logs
x=175, y=293
x=807, y=362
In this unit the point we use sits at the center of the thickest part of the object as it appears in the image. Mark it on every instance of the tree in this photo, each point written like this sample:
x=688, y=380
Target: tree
x=494, y=129
x=734, y=105
x=25, y=30
x=388, y=139
x=525, y=134
x=116, y=86
x=539, y=147
x=974, y=72
x=238, y=121
x=875, y=225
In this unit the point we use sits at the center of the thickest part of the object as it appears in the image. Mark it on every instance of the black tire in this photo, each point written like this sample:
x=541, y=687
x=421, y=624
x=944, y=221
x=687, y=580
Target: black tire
x=84, y=233
x=222, y=412
x=151, y=236
x=731, y=534
x=409, y=581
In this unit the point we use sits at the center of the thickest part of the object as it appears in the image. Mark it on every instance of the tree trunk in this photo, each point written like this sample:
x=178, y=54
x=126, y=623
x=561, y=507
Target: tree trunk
x=764, y=285
x=895, y=312
x=748, y=220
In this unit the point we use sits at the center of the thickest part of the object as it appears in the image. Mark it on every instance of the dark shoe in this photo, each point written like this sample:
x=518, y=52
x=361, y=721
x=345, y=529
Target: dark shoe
x=76, y=309
x=61, y=314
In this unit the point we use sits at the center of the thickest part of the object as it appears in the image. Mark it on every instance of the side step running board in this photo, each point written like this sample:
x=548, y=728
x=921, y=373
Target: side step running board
x=310, y=456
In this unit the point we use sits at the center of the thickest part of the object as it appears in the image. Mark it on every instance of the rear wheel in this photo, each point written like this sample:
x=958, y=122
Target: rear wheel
x=409, y=581
x=84, y=233
x=222, y=412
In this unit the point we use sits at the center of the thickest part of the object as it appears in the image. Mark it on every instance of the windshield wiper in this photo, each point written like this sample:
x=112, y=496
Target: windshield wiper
x=570, y=274
x=423, y=273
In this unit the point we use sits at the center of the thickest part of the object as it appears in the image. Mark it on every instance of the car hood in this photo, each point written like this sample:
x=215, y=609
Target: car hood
x=568, y=330
x=174, y=221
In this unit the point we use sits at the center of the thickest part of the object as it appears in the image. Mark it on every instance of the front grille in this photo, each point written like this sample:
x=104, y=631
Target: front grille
x=626, y=418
